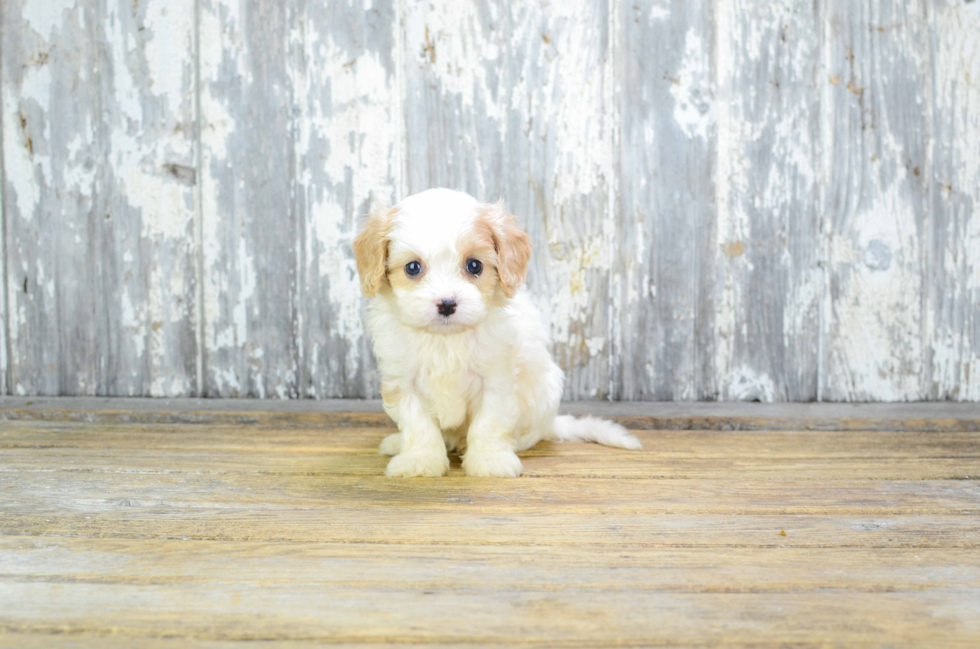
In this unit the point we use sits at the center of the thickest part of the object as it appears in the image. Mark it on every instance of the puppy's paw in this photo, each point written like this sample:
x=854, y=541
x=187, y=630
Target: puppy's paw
x=418, y=464
x=496, y=464
x=391, y=445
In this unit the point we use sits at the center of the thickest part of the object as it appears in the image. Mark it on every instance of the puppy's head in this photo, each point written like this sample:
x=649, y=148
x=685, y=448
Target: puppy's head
x=443, y=258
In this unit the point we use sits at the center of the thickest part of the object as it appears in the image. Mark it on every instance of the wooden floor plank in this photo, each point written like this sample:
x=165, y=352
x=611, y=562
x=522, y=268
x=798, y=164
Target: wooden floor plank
x=664, y=443
x=401, y=526
x=782, y=455
x=102, y=492
x=311, y=566
x=214, y=528
x=570, y=616
x=923, y=416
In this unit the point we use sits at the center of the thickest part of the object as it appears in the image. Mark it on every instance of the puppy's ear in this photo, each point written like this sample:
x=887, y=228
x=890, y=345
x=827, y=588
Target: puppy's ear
x=371, y=249
x=513, y=248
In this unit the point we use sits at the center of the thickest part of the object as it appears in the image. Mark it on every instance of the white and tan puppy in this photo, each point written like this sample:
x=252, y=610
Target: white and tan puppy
x=463, y=352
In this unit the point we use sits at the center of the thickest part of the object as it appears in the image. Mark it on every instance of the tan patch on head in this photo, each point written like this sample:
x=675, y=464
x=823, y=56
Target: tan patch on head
x=396, y=270
x=479, y=244
x=371, y=249
x=511, y=245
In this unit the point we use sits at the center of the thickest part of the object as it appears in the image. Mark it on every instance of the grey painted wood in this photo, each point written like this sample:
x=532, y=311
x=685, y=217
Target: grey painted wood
x=250, y=218
x=558, y=174
x=877, y=170
x=769, y=275
x=745, y=200
x=348, y=153
x=455, y=56
x=663, y=280
x=4, y=320
x=511, y=100
x=98, y=197
x=952, y=305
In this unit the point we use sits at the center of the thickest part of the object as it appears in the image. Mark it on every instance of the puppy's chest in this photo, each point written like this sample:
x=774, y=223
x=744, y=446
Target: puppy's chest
x=448, y=380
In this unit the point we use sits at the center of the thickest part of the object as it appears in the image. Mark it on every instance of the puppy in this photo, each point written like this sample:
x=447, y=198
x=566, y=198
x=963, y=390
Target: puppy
x=462, y=350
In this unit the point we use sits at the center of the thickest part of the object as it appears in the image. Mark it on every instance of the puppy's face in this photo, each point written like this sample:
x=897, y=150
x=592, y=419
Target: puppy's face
x=443, y=258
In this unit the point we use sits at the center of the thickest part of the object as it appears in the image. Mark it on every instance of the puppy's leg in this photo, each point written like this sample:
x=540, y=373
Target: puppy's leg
x=391, y=445
x=490, y=439
x=422, y=451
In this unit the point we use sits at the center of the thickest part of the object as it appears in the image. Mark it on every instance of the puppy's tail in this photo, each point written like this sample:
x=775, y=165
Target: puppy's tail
x=591, y=429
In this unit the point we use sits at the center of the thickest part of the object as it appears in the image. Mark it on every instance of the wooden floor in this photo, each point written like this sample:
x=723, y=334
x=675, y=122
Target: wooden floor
x=128, y=524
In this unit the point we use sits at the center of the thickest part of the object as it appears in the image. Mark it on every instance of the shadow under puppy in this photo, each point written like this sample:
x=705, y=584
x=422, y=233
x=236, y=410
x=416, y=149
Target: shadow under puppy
x=463, y=352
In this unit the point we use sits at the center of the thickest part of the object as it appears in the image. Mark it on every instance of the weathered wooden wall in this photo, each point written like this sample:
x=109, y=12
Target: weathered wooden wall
x=745, y=199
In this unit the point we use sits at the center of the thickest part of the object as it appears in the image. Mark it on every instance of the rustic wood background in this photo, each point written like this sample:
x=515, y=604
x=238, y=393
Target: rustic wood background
x=740, y=199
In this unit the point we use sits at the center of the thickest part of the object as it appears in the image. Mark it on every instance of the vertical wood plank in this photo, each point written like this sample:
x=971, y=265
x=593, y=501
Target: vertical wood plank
x=770, y=276
x=98, y=122
x=348, y=149
x=54, y=218
x=151, y=173
x=4, y=320
x=558, y=174
x=511, y=101
x=455, y=53
x=249, y=216
x=952, y=277
x=4, y=323
x=876, y=134
x=663, y=281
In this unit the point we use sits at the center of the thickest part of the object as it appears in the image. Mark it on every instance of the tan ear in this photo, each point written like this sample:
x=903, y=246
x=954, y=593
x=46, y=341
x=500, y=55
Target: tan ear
x=513, y=248
x=371, y=249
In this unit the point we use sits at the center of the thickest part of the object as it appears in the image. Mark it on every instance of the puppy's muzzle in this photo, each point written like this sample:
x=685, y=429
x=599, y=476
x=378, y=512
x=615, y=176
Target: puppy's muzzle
x=446, y=307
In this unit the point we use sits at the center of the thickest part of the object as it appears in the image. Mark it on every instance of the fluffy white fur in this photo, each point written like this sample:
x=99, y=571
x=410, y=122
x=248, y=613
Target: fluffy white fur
x=480, y=380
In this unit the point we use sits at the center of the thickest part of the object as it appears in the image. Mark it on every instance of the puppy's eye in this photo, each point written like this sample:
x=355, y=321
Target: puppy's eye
x=474, y=266
x=413, y=268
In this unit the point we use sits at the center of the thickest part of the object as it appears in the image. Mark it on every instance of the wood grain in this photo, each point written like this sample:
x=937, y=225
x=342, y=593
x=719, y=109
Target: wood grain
x=952, y=236
x=559, y=177
x=769, y=270
x=227, y=531
x=877, y=135
x=250, y=222
x=348, y=128
x=736, y=201
x=99, y=173
x=663, y=284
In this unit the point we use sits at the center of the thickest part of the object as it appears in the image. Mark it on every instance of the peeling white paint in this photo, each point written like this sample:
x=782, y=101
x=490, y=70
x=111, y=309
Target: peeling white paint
x=44, y=16
x=731, y=226
x=443, y=35
x=25, y=136
x=542, y=70
x=658, y=13
x=570, y=303
x=133, y=323
x=595, y=344
x=4, y=316
x=171, y=28
x=748, y=385
x=692, y=89
x=877, y=347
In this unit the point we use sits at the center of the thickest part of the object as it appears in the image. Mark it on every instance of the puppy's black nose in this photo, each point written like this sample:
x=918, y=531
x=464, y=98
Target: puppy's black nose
x=446, y=307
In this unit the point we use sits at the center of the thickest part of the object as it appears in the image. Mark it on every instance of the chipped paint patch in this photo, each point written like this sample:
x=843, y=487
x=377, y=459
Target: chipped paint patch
x=734, y=249
x=692, y=92
x=877, y=347
x=44, y=16
x=746, y=384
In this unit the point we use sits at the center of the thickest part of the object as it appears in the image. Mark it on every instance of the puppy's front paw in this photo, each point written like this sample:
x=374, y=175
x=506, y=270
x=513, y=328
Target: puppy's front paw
x=497, y=464
x=418, y=464
x=391, y=445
